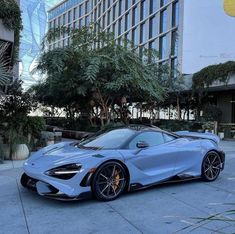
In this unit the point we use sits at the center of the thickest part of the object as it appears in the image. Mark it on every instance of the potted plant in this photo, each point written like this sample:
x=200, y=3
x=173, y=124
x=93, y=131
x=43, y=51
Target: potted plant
x=17, y=128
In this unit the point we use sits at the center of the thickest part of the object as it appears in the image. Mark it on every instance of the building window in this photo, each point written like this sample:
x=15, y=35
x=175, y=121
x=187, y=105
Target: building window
x=87, y=21
x=81, y=10
x=143, y=33
x=128, y=36
x=114, y=27
x=108, y=17
x=174, y=43
x=60, y=21
x=75, y=13
x=69, y=16
x=153, y=6
x=135, y=36
x=153, y=45
x=175, y=14
x=144, y=10
x=163, y=21
x=104, y=7
x=75, y=25
x=109, y=3
x=136, y=16
x=153, y=27
x=163, y=47
x=104, y=22
x=128, y=4
x=128, y=21
x=81, y=22
x=99, y=10
x=87, y=7
x=95, y=14
x=114, y=12
x=120, y=7
x=64, y=19
x=164, y=2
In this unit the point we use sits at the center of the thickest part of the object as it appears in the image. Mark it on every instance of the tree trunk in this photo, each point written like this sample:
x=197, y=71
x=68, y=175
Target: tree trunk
x=178, y=109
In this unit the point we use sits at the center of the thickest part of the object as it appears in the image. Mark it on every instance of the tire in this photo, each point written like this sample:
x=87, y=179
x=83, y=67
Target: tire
x=109, y=181
x=211, y=166
x=24, y=179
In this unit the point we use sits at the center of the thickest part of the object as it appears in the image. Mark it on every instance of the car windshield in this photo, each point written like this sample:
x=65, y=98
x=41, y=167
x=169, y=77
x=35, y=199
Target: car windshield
x=108, y=140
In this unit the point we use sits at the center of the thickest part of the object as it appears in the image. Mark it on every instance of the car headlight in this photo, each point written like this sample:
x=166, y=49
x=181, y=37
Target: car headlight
x=65, y=172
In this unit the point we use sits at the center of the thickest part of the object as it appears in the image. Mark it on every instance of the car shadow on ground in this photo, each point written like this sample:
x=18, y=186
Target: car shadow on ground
x=33, y=196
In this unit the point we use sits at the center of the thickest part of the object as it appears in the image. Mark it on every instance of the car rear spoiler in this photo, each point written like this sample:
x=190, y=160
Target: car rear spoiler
x=206, y=135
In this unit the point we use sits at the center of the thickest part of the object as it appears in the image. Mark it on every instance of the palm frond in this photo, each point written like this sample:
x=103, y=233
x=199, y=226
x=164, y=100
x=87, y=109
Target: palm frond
x=5, y=69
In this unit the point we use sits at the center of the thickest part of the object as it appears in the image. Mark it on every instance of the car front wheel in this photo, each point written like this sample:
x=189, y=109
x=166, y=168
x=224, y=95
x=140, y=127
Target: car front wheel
x=109, y=181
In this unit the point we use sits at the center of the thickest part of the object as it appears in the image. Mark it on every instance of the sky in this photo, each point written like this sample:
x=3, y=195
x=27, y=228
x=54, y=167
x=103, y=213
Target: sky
x=209, y=35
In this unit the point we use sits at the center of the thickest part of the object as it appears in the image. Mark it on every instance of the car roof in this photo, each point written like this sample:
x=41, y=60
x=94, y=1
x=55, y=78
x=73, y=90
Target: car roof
x=135, y=127
x=138, y=128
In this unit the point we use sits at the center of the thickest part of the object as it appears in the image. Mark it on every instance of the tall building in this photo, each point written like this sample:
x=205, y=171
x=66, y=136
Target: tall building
x=189, y=34
x=148, y=23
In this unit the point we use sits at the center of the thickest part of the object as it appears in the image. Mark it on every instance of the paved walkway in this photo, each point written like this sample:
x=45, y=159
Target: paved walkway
x=175, y=208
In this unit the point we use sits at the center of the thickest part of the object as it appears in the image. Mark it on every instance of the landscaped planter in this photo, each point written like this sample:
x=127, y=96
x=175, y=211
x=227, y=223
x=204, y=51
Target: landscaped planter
x=21, y=152
x=221, y=135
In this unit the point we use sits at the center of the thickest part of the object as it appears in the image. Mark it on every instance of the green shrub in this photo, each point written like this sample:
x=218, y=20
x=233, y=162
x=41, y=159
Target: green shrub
x=212, y=113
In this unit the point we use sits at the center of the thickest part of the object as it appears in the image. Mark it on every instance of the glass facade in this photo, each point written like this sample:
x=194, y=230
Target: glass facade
x=148, y=23
x=34, y=15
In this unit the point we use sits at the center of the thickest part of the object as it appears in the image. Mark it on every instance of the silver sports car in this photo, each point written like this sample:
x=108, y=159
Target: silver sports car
x=127, y=158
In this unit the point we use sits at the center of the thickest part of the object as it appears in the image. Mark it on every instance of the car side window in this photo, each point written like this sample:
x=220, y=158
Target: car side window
x=151, y=138
x=168, y=137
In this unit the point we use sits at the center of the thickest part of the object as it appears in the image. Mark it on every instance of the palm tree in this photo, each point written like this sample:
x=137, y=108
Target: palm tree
x=5, y=69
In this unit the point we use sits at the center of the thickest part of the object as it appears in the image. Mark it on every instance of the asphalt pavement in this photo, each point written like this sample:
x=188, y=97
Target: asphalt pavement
x=188, y=207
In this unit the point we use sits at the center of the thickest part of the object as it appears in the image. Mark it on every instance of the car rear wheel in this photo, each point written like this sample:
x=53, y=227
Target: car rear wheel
x=211, y=166
x=109, y=181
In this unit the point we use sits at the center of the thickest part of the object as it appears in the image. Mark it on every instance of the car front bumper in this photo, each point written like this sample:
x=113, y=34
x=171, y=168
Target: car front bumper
x=49, y=191
x=35, y=179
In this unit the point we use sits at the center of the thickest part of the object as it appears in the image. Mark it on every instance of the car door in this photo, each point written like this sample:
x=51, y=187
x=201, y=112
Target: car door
x=157, y=161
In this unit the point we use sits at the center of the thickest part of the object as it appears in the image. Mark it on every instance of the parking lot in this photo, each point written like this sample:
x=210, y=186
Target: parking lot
x=171, y=208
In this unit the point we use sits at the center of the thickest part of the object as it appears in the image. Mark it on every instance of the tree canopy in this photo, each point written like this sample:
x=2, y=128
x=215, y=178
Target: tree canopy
x=95, y=71
x=218, y=72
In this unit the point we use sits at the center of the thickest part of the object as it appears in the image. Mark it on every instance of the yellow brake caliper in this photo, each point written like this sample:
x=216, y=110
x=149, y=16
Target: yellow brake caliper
x=117, y=180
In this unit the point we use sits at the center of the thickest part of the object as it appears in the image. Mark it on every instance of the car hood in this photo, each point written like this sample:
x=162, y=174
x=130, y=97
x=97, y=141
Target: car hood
x=59, y=154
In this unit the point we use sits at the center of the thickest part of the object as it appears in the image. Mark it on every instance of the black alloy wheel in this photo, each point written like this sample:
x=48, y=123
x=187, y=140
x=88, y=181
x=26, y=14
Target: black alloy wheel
x=109, y=181
x=211, y=166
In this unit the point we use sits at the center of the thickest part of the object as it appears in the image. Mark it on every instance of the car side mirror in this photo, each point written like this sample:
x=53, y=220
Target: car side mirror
x=142, y=144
